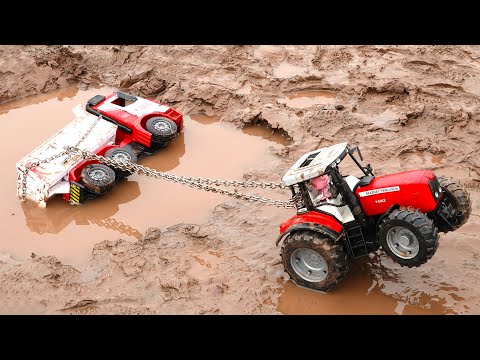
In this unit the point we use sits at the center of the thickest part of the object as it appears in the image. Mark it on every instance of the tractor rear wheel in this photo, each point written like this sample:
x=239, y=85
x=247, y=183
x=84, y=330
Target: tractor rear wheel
x=457, y=197
x=314, y=260
x=408, y=236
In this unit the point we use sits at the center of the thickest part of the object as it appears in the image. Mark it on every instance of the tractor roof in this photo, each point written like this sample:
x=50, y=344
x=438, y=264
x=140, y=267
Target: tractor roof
x=314, y=164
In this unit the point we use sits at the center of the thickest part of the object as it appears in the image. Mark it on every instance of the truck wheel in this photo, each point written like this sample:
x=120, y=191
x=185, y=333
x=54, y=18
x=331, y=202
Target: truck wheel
x=98, y=178
x=408, y=236
x=122, y=154
x=457, y=197
x=313, y=260
x=163, y=131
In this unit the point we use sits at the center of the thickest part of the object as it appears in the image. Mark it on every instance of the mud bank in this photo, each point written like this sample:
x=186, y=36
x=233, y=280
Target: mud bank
x=407, y=107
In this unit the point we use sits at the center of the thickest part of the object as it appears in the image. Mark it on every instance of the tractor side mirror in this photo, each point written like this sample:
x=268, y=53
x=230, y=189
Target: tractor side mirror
x=369, y=169
x=357, y=149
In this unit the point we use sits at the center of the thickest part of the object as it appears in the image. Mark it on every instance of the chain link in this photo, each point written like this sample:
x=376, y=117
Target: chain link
x=199, y=183
x=235, y=183
x=89, y=130
x=35, y=164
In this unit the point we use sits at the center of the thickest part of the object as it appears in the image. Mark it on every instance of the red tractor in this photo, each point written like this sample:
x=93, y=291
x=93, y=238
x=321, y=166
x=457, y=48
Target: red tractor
x=340, y=218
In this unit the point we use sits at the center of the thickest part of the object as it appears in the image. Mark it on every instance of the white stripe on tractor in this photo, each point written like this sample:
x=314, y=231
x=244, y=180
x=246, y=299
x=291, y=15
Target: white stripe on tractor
x=379, y=191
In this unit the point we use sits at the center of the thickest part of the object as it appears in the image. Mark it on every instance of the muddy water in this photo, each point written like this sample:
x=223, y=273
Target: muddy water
x=359, y=293
x=261, y=130
x=265, y=132
x=205, y=149
x=305, y=99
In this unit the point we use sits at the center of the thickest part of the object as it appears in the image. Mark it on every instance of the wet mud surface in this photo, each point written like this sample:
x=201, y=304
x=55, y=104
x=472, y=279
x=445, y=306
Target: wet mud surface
x=407, y=107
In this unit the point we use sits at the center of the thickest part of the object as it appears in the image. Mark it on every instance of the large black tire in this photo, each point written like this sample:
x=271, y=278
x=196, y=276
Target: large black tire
x=335, y=265
x=121, y=153
x=98, y=178
x=398, y=227
x=163, y=131
x=459, y=198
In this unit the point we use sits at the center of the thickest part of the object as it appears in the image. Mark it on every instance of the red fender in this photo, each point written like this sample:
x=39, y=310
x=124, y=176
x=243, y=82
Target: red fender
x=312, y=217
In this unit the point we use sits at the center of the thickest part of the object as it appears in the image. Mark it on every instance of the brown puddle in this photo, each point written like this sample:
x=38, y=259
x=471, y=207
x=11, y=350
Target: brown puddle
x=304, y=99
x=261, y=130
x=216, y=150
x=205, y=119
x=265, y=132
x=359, y=293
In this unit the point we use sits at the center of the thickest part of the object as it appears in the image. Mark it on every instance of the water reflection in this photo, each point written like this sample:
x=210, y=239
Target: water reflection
x=59, y=214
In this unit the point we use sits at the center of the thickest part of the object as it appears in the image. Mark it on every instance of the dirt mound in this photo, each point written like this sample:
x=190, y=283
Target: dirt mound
x=407, y=106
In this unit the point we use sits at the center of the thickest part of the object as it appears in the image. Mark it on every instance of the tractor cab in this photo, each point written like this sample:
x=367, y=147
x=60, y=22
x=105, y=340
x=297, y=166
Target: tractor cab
x=316, y=182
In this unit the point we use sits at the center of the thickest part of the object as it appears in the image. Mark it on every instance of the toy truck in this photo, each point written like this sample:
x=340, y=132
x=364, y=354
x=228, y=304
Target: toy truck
x=119, y=126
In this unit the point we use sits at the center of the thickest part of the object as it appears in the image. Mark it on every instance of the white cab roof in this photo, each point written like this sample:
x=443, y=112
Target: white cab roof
x=138, y=108
x=313, y=164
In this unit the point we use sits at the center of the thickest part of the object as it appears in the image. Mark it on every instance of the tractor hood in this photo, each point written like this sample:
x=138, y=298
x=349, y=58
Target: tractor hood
x=409, y=188
x=406, y=178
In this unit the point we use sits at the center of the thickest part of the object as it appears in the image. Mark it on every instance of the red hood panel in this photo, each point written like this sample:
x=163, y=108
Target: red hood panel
x=409, y=188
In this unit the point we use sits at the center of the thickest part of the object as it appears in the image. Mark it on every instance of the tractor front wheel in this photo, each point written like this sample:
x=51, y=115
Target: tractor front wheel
x=314, y=260
x=458, y=198
x=408, y=236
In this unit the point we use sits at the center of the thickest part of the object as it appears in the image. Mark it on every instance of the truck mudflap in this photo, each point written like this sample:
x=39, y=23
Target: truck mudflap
x=76, y=194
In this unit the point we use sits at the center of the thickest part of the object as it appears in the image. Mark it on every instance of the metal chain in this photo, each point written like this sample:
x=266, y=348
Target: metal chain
x=199, y=183
x=83, y=137
x=35, y=164
x=235, y=183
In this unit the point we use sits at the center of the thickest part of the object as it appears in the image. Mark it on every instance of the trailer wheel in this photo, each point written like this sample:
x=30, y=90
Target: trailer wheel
x=122, y=154
x=408, y=236
x=314, y=260
x=98, y=178
x=163, y=131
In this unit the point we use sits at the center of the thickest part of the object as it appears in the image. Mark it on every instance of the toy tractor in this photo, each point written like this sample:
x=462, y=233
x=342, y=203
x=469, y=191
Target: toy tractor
x=340, y=218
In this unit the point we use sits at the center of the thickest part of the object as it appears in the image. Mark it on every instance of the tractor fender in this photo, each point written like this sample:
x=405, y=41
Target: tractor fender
x=322, y=229
x=386, y=213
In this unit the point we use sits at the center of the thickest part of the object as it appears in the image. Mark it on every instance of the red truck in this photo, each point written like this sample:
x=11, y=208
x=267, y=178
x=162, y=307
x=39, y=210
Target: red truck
x=138, y=127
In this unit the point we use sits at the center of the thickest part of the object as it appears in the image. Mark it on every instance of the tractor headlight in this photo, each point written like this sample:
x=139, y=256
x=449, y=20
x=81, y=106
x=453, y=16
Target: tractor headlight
x=435, y=188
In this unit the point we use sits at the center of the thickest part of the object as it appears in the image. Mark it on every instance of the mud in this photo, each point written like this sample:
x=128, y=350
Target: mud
x=406, y=106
